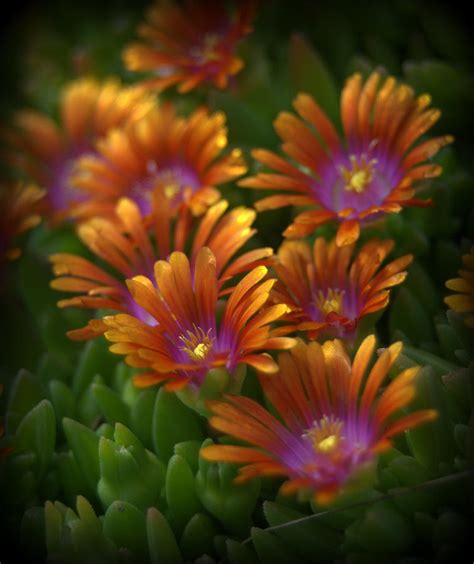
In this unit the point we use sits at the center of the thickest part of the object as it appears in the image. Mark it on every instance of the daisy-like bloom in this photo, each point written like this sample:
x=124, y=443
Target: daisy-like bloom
x=130, y=248
x=175, y=156
x=333, y=421
x=463, y=301
x=192, y=334
x=329, y=290
x=46, y=151
x=21, y=211
x=372, y=171
x=190, y=43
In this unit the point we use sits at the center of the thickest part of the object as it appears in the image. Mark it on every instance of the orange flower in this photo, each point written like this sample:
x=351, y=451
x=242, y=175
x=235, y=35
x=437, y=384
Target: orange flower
x=190, y=43
x=330, y=290
x=46, y=151
x=21, y=208
x=130, y=248
x=463, y=301
x=372, y=172
x=175, y=156
x=332, y=425
x=190, y=337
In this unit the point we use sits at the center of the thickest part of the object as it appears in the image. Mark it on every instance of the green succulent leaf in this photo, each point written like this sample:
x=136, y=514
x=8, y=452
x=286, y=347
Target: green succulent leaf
x=162, y=544
x=271, y=549
x=239, y=553
x=432, y=443
x=84, y=444
x=53, y=526
x=62, y=399
x=384, y=530
x=111, y=405
x=37, y=433
x=409, y=316
x=305, y=539
x=141, y=416
x=26, y=392
x=125, y=526
x=197, y=537
x=128, y=471
x=72, y=480
x=173, y=422
x=94, y=359
x=409, y=472
x=189, y=450
x=181, y=495
x=232, y=504
x=309, y=74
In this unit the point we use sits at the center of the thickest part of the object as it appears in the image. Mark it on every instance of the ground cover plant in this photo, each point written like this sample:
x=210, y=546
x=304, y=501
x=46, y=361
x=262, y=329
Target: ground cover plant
x=237, y=260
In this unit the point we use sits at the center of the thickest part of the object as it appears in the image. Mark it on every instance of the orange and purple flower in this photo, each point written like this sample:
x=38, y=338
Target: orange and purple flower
x=47, y=151
x=463, y=301
x=329, y=290
x=332, y=424
x=193, y=333
x=190, y=43
x=130, y=247
x=373, y=172
x=21, y=210
x=175, y=156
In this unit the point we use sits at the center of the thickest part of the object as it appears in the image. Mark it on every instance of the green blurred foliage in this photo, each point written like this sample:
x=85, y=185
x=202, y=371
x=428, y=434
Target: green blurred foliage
x=103, y=472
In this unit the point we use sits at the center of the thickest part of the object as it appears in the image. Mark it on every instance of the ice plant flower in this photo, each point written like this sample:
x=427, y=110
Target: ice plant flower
x=189, y=339
x=333, y=421
x=21, y=211
x=175, y=156
x=127, y=247
x=373, y=171
x=463, y=301
x=329, y=289
x=46, y=151
x=190, y=43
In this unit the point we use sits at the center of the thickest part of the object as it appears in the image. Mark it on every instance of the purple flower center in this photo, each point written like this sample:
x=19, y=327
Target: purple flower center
x=175, y=181
x=358, y=180
x=61, y=192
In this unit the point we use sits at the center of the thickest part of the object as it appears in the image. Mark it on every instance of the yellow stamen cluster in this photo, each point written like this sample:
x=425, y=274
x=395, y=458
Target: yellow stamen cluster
x=360, y=175
x=325, y=434
x=197, y=344
x=207, y=52
x=331, y=302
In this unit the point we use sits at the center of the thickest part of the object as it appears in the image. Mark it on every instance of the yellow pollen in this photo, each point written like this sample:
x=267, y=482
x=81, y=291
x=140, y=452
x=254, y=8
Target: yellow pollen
x=201, y=350
x=331, y=302
x=327, y=444
x=197, y=344
x=171, y=190
x=326, y=434
x=360, y=174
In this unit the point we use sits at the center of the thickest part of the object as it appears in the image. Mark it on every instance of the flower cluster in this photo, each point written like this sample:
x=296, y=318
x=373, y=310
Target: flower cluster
x=170, y=272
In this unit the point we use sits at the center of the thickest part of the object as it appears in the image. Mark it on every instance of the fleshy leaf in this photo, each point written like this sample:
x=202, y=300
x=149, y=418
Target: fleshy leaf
x=197, y=538
x=26, y=392
x=125, y=526
x=112, y=406
x=306, y=539
x=162, y=544
x=173, y=422
x=309, y=74
x=37, y=432
x=230, y=503
x=181, y=495
x=84, y=444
